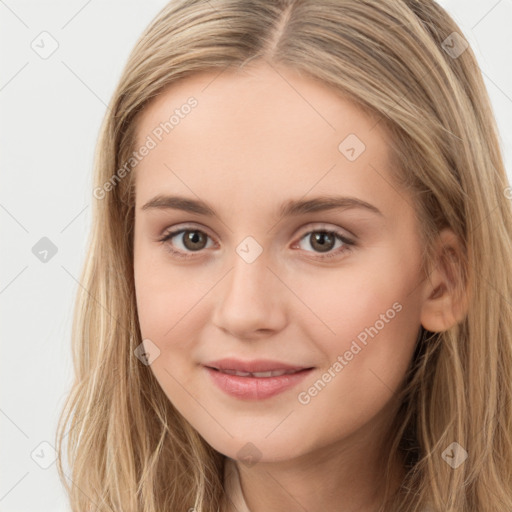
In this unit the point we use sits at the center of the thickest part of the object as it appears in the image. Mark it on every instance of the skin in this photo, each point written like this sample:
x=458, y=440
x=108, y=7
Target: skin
x=258, y=138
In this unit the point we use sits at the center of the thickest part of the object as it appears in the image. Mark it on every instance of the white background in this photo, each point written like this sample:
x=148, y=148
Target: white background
x=51, y=110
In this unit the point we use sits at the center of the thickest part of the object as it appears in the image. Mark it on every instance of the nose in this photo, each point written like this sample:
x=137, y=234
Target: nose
x=251, y=300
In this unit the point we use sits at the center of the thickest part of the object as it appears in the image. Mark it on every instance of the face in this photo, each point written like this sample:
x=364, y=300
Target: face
x=263, y=262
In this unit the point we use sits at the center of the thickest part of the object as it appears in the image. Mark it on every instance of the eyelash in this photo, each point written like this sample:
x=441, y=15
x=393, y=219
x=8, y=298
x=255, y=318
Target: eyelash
x=348, y=244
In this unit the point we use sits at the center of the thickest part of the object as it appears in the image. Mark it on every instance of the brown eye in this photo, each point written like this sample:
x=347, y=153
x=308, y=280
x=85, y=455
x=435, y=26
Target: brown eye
x=187, y=241
x=194, y=240
x=322, y=241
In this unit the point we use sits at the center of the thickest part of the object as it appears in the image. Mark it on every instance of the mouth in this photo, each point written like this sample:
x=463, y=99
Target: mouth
x=259, y=375
x=259, y=368
x=255, y=380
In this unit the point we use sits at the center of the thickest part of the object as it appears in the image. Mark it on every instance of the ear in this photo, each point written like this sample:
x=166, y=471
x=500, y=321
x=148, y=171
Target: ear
x=445, y=297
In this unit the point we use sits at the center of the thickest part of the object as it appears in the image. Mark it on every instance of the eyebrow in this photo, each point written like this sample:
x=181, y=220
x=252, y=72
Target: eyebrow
x=288, y=209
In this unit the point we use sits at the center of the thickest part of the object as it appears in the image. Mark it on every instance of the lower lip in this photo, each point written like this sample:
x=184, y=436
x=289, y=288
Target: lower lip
x=256, y=388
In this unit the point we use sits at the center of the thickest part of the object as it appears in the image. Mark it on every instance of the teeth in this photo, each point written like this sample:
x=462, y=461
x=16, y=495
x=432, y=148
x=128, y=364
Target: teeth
x=273, y=373
x=235, y=372
x=276, y=373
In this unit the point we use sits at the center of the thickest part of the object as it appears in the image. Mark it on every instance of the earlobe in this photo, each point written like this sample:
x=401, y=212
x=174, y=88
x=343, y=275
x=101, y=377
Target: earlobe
x=445, y=300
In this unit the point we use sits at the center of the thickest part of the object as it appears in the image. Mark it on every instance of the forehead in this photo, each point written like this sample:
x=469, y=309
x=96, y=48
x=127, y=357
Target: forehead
x=262, y=129
x=272, y=96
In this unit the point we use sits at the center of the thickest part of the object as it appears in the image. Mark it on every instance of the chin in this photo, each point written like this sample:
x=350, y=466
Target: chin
x=255, y=448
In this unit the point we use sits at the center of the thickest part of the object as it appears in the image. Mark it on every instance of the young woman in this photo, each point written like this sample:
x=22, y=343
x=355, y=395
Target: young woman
x=297, y=292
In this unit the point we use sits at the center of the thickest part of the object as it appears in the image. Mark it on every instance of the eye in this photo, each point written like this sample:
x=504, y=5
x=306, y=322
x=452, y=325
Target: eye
x=192, y=240
x=324, y=241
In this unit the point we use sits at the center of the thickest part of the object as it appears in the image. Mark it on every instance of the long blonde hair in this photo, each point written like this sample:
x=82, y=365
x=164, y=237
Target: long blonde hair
x=129, y=449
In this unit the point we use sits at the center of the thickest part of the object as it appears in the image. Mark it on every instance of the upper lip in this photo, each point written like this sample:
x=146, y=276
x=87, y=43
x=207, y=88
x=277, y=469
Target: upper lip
x=257, y=365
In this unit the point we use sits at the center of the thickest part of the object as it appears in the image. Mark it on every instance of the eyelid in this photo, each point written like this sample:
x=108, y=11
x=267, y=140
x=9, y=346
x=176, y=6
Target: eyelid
x=314, y=226
x=184, y=227
x=324, y=226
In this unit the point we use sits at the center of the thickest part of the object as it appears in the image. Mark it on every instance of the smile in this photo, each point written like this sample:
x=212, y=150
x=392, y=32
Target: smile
x=256, y=385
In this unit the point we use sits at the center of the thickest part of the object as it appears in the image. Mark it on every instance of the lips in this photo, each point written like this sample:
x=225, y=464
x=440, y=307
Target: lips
x=272, y=373
x=255, y=385
x=257, y=368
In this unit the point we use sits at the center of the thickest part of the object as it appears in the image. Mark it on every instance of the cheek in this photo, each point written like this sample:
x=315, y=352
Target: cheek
x=166, y=317
x=165, y=312
x=368, y=314
x=368, y=357
x=164, y=294
x=171, y=311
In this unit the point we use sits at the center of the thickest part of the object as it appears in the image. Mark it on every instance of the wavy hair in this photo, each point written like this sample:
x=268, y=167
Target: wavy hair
x=128, y=448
